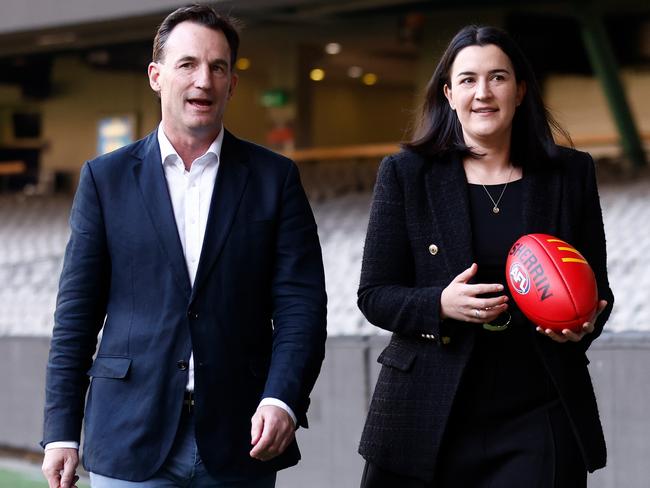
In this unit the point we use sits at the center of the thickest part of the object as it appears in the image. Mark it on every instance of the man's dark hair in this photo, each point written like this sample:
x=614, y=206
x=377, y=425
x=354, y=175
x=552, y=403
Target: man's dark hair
x=202, y=15
x=439, y=131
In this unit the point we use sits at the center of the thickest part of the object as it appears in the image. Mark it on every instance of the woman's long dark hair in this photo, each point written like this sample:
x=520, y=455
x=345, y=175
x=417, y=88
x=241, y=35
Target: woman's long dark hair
x=438, y=130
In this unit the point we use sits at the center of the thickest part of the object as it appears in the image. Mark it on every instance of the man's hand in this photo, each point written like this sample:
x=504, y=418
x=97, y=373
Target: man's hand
x=569, y=335
x=272, y=430
x=59, y=467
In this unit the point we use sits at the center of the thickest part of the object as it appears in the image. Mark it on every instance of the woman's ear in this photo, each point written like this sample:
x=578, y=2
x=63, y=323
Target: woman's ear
x=447, y=91
x=521, y=92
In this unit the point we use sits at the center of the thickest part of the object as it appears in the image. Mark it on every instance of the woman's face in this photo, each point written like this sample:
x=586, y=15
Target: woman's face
x=485, y=94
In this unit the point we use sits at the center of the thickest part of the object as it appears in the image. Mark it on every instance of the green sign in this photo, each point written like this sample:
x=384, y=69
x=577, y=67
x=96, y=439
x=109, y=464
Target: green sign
x=274, y=98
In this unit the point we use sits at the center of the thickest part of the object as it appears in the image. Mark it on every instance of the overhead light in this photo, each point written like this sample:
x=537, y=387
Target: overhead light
x=355, y=71
x=100, y=57
x=56, y=39
x=317, y=74
x=369, y=79
x=333, y=48
x=243, y=64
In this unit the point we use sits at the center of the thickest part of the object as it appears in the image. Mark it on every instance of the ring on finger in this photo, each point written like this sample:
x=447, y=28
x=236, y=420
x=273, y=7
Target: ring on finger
x=477, y=313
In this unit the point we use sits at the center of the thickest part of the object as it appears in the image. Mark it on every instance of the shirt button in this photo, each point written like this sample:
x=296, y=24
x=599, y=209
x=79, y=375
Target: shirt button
x=433, y=249
x=192, y=314
x=182, y=365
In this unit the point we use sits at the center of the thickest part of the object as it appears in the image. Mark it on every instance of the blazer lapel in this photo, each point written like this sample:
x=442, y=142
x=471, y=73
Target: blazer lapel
x=150, y=177
x=446, y=186
x=228, y=191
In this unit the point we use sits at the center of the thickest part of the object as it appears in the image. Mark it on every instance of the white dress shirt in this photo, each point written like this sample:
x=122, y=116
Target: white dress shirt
x=190, y=193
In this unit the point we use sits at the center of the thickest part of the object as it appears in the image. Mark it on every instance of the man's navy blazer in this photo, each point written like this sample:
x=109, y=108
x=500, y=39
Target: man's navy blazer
x=254, y=319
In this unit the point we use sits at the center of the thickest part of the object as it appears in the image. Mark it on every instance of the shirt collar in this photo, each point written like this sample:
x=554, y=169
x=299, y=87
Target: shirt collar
x=166, y=148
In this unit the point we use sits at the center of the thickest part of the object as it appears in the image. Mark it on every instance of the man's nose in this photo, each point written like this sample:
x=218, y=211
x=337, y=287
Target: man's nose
x=203, y=77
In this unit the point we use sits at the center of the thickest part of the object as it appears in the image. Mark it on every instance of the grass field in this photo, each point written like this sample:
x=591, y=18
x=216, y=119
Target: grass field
x=19, y=479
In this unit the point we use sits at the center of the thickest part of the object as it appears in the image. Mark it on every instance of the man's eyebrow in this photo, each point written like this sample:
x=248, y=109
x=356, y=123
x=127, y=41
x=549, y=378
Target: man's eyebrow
x=193, y=58
x=184, y=59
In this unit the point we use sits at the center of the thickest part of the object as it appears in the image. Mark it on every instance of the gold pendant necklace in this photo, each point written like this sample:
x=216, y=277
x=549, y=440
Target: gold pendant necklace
x=495, y=208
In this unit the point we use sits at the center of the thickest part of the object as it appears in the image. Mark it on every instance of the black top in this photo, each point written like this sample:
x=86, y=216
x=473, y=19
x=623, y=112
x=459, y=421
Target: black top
x=494, y=234
x=505, y=377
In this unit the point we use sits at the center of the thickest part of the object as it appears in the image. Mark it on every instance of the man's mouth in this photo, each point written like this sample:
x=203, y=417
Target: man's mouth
x=200, y=102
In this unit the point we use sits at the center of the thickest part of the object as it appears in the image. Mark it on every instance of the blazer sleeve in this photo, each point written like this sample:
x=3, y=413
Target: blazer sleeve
x=592, y=244
x=79, y=315
x=299, y=302
x=388, y=295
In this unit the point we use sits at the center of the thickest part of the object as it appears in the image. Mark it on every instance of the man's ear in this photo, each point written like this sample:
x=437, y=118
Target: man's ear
x=234, y=79
x=153, y=71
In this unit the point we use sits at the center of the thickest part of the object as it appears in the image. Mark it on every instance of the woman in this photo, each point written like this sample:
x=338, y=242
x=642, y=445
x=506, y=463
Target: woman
x=471, y=393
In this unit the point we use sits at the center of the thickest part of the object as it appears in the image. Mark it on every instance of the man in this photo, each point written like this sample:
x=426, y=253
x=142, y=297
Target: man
x=197, y=256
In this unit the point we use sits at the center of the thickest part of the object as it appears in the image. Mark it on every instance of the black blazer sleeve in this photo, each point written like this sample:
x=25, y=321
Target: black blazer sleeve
x=388, y=295
x=592, y=243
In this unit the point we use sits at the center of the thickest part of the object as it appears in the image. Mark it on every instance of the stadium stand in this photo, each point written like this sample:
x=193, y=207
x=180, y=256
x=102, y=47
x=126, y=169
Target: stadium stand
x=34, y=230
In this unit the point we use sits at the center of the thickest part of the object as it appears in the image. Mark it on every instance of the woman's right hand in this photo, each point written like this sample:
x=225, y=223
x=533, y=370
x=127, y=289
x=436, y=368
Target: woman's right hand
x=459, y=300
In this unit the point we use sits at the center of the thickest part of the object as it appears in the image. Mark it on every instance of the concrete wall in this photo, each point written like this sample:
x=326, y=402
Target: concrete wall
x=23, y=360
x=347, y=114
x=619, y=365
x=579, y=103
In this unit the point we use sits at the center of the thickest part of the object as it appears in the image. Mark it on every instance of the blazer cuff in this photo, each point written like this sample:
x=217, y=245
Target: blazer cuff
x=279, y=403
x=62, y=444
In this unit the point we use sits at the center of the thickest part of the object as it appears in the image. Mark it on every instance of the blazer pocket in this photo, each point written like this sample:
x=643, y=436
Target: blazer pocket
x=398, y=358
x=110, y=367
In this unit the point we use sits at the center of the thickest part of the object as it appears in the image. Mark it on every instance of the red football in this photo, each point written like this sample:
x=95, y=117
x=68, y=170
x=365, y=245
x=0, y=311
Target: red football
x=551, y=282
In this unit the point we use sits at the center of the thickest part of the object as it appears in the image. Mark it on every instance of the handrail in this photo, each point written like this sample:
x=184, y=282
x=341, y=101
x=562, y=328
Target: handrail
x=375, y=151
x=12, y=168
x=361, y=151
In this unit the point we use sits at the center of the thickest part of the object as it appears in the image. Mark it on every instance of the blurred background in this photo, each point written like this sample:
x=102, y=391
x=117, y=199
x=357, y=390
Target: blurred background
x=334, y=85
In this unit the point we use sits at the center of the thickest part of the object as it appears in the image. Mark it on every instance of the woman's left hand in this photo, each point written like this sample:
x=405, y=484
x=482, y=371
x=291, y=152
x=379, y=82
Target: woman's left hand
x=573, y=336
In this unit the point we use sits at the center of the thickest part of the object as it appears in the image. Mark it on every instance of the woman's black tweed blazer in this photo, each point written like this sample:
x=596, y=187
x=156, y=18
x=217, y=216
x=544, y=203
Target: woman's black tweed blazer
x=420, y=201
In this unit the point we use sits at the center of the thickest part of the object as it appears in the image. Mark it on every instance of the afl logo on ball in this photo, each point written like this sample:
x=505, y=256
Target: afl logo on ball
x=519, y=278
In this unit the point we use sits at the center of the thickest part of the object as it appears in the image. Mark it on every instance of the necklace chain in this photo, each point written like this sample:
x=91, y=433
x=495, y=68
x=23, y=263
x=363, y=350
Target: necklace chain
x=495, y=208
